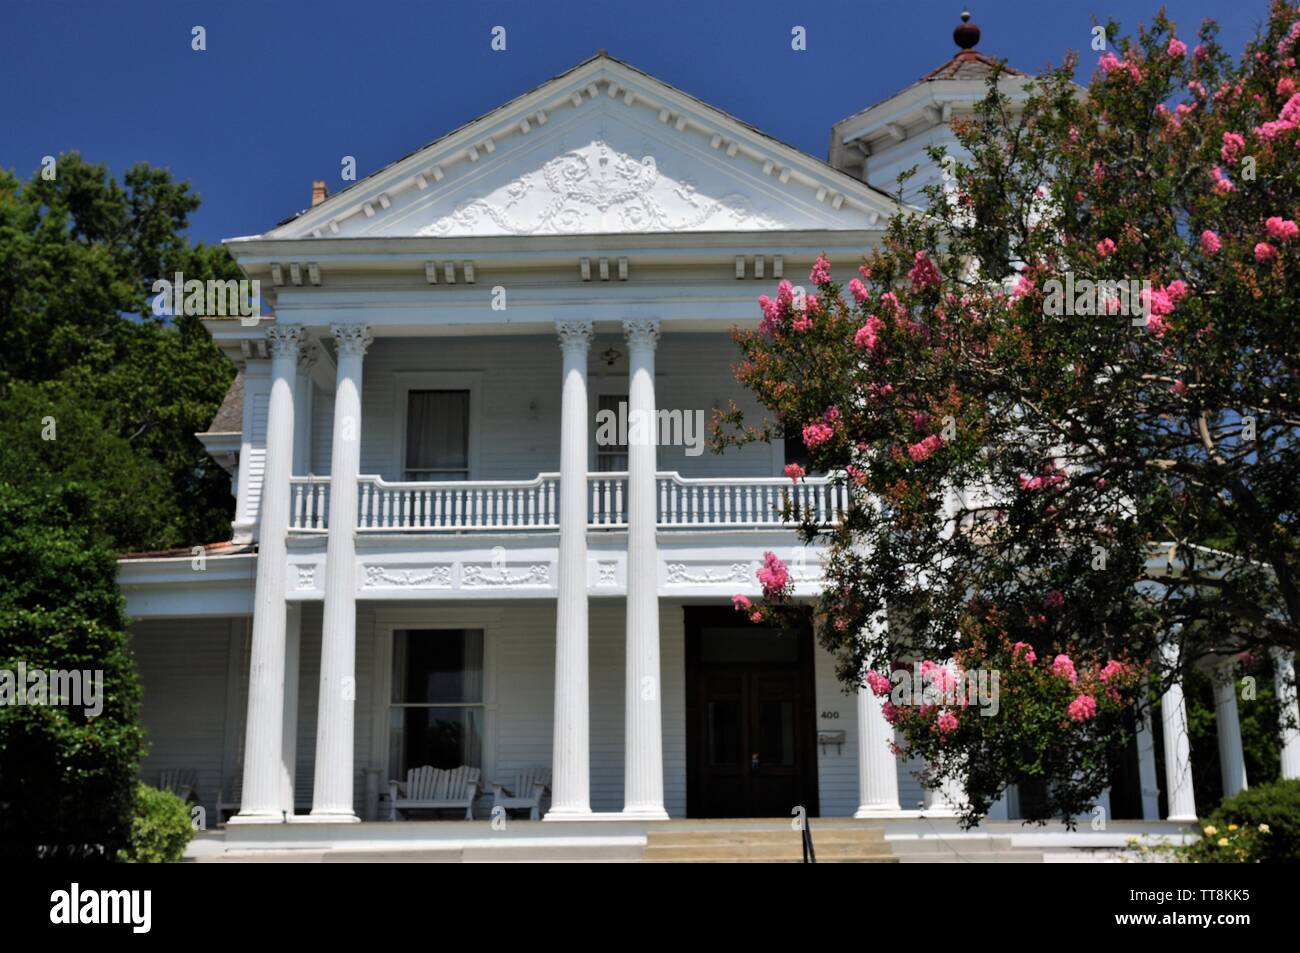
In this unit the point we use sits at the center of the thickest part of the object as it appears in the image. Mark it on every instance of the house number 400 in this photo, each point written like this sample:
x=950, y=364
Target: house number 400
x=830, y=714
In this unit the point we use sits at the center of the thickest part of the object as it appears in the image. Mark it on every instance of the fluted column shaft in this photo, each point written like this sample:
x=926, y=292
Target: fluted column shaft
x=877, y=766
x=1232, y=755
x=332, y=788
x=1150, y=786
x=263, y=739
x=1178, y=747
x=643, y=771
x=1288, y=711
x=570, y=767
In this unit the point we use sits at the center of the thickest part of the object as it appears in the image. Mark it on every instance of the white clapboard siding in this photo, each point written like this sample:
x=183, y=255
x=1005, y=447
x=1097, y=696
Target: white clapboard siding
x=183, y=666
x=252, y=466
x=837, y=767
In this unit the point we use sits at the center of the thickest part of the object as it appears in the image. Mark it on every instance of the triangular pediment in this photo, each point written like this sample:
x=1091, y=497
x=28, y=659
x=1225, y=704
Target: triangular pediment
x=601, y=149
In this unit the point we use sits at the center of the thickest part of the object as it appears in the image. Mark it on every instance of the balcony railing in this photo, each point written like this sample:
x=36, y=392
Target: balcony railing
x=503, y=505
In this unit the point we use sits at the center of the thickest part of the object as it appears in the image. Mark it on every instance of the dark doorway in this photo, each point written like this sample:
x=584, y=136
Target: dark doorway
x=750, y=727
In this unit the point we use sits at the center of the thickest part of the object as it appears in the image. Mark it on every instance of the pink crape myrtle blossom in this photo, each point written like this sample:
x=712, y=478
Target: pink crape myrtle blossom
x=816, y=434
x=924, y=273
x=1106, y=247
x=1176, y=48
x=821, y=271
x=772, y=575
x=868, y=336
x=924, y=449
x=1210, y=243
x=1112, y=669
x=1082, y=708
x=1281, y=229
x=795, y=472
x=1264, y=252
x=947, y=722
x=858, y=290
x=1233, y=144
x=1063, y=667
x=1222, y=184
x=742, y=603
x=878, y=682
x=1030, y=655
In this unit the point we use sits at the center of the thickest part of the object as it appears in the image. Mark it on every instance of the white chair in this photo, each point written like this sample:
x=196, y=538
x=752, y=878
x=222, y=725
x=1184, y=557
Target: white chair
x=434, y=789
x=236, y=798
x=524, y=793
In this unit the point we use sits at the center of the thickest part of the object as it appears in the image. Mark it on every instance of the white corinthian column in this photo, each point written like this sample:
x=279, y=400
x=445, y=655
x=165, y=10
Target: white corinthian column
x=261, y=801
x=877, y=767
x=1288, y=711
x=1178, y=746
x=643, y=766
x=571, y=779
x=332, y=789
x=1232, y=755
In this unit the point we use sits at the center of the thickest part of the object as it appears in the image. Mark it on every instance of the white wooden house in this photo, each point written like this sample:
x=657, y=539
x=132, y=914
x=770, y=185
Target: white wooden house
x=433, y=560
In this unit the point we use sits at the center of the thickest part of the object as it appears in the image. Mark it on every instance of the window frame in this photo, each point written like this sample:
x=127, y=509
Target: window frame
x=390, y=621
x=408, y=381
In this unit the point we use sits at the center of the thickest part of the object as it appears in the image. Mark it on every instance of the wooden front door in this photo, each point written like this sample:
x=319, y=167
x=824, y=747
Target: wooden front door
x=750, y=742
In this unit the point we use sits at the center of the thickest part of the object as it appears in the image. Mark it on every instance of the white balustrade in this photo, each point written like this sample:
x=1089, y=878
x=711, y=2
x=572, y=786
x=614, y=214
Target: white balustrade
x=493, y=505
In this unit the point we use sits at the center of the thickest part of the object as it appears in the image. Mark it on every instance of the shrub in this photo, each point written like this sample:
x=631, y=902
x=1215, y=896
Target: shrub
x=160, y=829
x=67, y=773
x=1276, y=805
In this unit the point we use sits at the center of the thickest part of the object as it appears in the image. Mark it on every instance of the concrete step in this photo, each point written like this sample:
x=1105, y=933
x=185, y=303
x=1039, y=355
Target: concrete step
x=720, y=838
x=964, y=845
x=734, y=845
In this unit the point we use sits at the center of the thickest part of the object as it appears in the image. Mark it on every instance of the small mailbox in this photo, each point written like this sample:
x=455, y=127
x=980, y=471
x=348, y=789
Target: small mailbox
x=831, y=737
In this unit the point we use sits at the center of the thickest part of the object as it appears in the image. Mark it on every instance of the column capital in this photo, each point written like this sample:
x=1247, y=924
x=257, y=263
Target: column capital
x=574, y=335
x=351, y=338
x=285, y=340
x=641, y=332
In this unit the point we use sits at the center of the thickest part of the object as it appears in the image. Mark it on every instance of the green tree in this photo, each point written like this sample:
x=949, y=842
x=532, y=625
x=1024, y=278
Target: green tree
x=78, y=258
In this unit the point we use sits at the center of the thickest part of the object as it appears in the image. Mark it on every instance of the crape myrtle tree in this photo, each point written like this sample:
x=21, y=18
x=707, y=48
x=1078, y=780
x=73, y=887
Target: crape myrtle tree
x=1085, y=495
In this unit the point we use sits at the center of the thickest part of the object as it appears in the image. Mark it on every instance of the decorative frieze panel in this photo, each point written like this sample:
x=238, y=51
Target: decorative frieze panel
x=433, y=577
x=478, y=576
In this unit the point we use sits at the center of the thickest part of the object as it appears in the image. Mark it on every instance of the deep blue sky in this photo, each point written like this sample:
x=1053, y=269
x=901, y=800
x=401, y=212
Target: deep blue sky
x=287, y=88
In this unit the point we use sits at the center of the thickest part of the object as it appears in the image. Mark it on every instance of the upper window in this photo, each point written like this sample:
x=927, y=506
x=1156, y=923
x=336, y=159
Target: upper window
x=611, y=457
x=437, y=435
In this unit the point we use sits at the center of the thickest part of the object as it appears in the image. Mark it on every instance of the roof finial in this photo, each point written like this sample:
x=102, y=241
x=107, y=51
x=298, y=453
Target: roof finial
x=967, y=34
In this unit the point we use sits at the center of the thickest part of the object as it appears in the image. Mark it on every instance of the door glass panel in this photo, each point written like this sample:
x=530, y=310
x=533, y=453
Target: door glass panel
x=776, y=732
x=724, y=732
x=748, y=645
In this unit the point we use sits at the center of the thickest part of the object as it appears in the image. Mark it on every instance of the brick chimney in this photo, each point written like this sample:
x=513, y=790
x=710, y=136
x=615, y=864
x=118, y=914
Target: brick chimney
x=318, y=193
